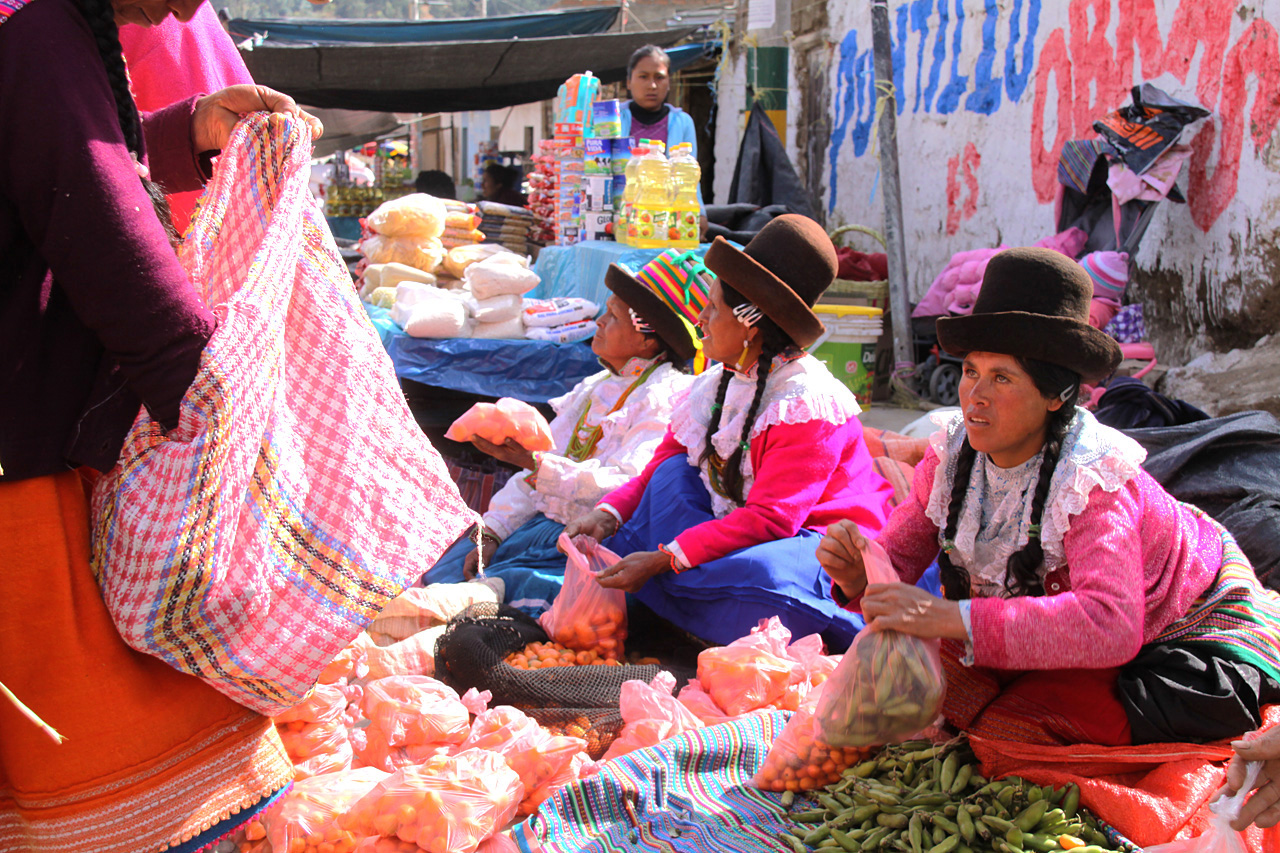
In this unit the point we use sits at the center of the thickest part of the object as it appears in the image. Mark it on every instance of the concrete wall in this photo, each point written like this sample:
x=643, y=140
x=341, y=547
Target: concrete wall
x=990, y=89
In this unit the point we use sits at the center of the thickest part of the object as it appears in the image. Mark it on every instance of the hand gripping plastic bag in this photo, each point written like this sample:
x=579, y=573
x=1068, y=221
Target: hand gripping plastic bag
x=586, y=615
x=1219, y=837
x=305, y=820
x=800, y=760
x=888, y=686
x=253, y=542
x=415, y=709
x=507, y=418
x=448, y=805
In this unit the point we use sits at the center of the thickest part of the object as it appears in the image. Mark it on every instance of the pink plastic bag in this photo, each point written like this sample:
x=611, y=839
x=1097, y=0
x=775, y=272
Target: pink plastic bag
x=888, y=686
x=309, y=811
x=1219, y=837
x=415, y=709
x=507, y=418
x=650, y=715
x=542, y=761
x=448, y=805
x=585, y=615
x=743, y=678
x=800, y=760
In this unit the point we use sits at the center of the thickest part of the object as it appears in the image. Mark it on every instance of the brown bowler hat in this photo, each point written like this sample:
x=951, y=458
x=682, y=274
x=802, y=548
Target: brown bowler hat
x=782, y=271
x=1034, y=303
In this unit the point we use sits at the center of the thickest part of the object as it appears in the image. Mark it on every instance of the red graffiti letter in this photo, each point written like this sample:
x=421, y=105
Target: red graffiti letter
x=1093, y=61
x=972, y=160
x=953, y=195
x=1055, y=62
x=1254, y=55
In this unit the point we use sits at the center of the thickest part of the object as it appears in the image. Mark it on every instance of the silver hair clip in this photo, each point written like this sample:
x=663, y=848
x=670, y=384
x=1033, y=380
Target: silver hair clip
x=747, y=314
x=1066, y=393
x=640, y=325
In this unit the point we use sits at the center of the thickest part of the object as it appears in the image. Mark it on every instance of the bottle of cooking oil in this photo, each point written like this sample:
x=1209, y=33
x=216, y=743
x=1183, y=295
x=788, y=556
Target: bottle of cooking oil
x=685, y=211
x=651, y=220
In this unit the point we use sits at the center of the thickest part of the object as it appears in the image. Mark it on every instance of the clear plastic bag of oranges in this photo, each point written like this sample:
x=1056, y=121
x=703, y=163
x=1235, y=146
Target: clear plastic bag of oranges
x=305, y=820
x=543, y=761
x=799, y=760
x=447, y=805
x=585, y=615
x=415, y=709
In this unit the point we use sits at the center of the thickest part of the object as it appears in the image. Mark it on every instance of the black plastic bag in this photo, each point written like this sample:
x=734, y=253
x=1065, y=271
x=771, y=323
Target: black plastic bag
x=1145, y=129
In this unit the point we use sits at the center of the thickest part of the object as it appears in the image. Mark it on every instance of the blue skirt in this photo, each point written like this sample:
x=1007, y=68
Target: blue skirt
x=724, y=599
x=527, y=561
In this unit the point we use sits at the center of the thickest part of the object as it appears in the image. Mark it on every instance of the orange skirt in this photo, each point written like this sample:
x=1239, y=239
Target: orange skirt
x=153, y=757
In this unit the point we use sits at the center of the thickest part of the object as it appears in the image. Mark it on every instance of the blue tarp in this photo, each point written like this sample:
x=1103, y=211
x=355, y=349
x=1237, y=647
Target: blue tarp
x=330, y=32
x=533, y=371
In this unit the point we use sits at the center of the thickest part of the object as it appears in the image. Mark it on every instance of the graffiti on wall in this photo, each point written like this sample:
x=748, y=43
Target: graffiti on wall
x=1070, y=75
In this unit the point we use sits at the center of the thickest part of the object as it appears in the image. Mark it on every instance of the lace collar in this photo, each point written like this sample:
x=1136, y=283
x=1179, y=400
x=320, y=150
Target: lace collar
x=996, y=516
x=634, y=366
x=799, y=389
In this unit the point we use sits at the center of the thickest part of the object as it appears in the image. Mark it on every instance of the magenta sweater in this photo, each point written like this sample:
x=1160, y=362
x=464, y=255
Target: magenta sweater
x=808, y=475
x=96, y=313
x=1136, y=560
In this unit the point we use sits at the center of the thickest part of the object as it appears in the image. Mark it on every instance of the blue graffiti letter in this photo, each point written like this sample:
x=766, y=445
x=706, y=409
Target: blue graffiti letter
x=1016, y=80
x=985, y=97
x=950, y=97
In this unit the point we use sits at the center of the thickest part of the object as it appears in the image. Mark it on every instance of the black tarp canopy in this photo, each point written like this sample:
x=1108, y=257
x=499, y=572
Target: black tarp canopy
x=563, y=22
x=449, y=76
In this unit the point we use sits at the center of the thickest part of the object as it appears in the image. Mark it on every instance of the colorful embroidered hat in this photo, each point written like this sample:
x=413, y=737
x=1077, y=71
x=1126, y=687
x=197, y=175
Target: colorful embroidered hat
x=1034, y=303
x=782, y=271
x=668, y=293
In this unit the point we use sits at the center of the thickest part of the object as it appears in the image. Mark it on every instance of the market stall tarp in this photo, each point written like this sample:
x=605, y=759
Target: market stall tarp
x=560, y=22
x=345, y=129
x=448, y=76
x=534, y=371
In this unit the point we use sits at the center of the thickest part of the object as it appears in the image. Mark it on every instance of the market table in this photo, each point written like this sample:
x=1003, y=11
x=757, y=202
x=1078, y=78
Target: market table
x=578, y=270
x=533, y=371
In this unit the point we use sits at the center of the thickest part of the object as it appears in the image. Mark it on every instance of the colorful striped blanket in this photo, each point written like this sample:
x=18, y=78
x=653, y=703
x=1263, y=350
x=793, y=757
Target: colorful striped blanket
x=297, y=496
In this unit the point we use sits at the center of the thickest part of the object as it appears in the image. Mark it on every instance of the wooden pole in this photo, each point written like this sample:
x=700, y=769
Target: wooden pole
x=895, y=243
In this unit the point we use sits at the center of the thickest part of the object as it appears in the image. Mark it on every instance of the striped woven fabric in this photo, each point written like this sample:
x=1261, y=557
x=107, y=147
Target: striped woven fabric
x=297, y=496
x=1237, y=617
x=689, y=793
x=8, y=7
x=675, y=277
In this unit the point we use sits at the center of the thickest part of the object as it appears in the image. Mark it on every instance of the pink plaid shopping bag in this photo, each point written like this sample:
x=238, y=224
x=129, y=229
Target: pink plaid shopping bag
x=297, y=496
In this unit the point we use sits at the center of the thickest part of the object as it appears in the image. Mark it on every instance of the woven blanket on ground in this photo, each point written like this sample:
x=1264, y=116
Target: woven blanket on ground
x=689, y=793
x=1153, y=793
x=297, y=496
x=895, y=458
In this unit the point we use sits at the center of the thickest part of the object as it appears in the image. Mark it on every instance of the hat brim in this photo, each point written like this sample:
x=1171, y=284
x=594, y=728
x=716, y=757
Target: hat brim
x=664, y=322
x=766, y=291
x=1057, y=340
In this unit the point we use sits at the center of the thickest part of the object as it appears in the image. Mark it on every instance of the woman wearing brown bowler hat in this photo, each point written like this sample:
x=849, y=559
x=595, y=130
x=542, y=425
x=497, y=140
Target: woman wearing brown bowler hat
x=764, y=451
x=1083, y=604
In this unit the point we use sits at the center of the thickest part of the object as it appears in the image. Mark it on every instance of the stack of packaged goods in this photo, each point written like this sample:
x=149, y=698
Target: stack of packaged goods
x=573, y=114
x=461, y=226
x=598, y=199
x=406, y=231
x=561, y=320
x=571, y=183
x=543, y=184
x=506, y=225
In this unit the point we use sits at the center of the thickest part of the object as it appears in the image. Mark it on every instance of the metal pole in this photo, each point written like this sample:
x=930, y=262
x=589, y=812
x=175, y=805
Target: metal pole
x=886, y=101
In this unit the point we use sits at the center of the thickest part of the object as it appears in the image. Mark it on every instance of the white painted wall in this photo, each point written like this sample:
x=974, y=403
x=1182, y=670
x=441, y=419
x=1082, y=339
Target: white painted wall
x=983, y=173
x=731, y=116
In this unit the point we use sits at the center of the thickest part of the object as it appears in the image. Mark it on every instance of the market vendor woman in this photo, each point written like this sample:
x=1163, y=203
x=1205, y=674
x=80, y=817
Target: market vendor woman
x=764, y=451
x=605, y=432
x=1084, y=604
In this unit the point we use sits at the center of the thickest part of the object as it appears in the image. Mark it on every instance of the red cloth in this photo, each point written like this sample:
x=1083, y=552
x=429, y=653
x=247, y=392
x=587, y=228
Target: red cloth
x=1153, y=794
x=861, y=266
x=1050, y=707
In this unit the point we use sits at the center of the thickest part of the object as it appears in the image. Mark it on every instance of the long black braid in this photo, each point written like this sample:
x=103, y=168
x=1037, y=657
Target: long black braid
x=773, y=341
x=1022, y=570
x=101, y=18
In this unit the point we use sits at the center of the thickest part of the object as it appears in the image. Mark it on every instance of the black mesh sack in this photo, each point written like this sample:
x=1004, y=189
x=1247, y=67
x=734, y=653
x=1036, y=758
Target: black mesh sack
x=581, y=701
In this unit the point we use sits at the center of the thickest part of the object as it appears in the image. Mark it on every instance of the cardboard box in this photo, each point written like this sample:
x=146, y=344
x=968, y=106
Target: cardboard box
x=596, y=157
x=599, y=193
x=597, y=226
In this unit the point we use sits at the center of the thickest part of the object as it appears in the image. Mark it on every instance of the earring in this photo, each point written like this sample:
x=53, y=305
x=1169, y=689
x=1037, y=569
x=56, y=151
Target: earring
x=746, y=346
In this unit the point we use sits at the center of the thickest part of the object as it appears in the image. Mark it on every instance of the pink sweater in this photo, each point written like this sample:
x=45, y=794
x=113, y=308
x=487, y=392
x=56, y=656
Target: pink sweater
x=1136, y=560
x=807, y=475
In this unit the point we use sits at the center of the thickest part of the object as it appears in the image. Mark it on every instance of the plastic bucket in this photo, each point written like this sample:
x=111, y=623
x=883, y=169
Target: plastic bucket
x=849, y=350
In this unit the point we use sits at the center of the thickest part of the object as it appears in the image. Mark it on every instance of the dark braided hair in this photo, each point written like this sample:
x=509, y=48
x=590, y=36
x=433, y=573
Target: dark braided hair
x=101, y=18
x=1022, y=571
x=773, y=341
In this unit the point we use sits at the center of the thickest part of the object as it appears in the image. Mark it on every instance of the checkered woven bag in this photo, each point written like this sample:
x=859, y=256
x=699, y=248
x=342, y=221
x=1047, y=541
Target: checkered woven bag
x=297, y=496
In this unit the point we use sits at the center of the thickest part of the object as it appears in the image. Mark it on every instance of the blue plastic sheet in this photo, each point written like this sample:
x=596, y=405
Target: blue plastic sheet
x=578, y=270
x=533, y=371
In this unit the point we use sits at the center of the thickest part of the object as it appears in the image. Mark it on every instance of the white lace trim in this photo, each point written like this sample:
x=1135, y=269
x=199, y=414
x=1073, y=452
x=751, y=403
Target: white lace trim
x=796, y=392
x=1093, y=456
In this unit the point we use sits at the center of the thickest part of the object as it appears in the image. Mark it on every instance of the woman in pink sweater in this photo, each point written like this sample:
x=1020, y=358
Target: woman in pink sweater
x=1083, y=604
x=764, y=451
